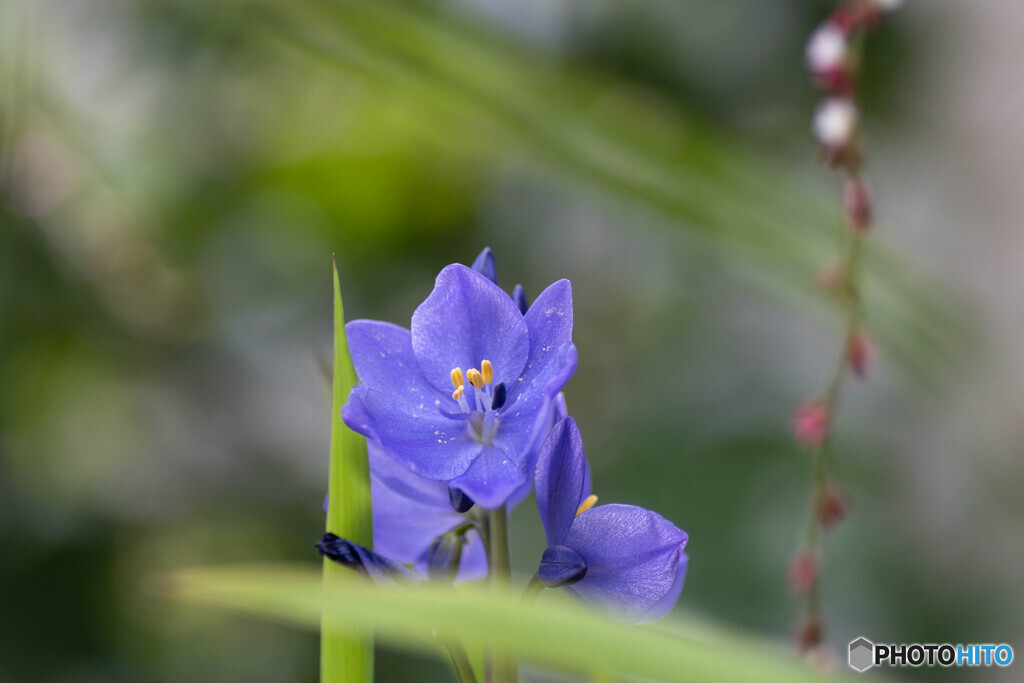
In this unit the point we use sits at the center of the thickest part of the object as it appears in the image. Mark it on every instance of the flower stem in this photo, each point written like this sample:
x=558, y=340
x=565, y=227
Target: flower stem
x=461, y=661
x=857, y=213
x=497, y=670
x=497, y=557
x=825, y=456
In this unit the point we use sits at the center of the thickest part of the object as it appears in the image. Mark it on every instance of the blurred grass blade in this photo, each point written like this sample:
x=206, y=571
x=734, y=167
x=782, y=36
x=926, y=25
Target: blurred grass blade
x=343, y=657
x=465, y=82
x=554, y=632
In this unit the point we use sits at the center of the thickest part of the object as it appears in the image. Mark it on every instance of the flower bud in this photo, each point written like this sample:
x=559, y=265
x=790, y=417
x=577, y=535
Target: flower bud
x=835, y=127
x=860, y=353
x=803, y=572
x=444, y=557
x=831, y=506
x=368, y=563
x=810, y=424
x=484, y=264
x=826, y=55
x=519, y=296
x=857, y=204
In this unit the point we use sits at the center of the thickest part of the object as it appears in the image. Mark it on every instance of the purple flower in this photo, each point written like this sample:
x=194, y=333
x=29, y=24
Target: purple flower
x=413, y=521
x=558, y=411
x=622, y=558
x=505, y=367
x=410, y=513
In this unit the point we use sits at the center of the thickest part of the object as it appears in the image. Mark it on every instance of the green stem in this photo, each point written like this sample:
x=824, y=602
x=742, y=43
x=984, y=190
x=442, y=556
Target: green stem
x=496, y=669
x=497, y=557
x=461, y=661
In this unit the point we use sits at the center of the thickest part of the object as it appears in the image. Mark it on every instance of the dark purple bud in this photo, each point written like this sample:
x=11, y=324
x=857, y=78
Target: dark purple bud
x=459, y=500
x=444, y=557
x=339, y=550
x=484, y=265
x=561, y=566
x=500, y=394
x=354, y=556
x=519, y=296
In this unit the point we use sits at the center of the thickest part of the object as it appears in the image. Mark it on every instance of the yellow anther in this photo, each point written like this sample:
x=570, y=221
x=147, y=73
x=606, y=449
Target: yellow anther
x=590, y=502
x=487, y=370
x=457, y=394
x=475, y=378
x=457, y=380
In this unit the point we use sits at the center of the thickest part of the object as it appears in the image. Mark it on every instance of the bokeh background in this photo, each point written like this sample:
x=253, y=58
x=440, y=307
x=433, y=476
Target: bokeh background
x=176, y=176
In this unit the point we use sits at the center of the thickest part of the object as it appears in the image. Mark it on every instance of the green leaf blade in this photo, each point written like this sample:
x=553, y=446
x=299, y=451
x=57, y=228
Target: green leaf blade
x=555, y=633
x=343, y=658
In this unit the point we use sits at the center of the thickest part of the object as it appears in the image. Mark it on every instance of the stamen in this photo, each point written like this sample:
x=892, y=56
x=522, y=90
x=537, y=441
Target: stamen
x=500, y=394
x=588, y=503
x=480, y=399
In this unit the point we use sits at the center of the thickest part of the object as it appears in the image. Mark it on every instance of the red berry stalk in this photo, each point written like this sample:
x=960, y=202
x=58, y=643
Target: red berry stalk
x=834, y=54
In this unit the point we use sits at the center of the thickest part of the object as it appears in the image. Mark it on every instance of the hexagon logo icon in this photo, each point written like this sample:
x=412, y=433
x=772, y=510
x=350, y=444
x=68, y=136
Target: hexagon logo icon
x=862, y=654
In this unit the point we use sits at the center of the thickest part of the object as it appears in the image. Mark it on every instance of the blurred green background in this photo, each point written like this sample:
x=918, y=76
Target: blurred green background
x=176, y=176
